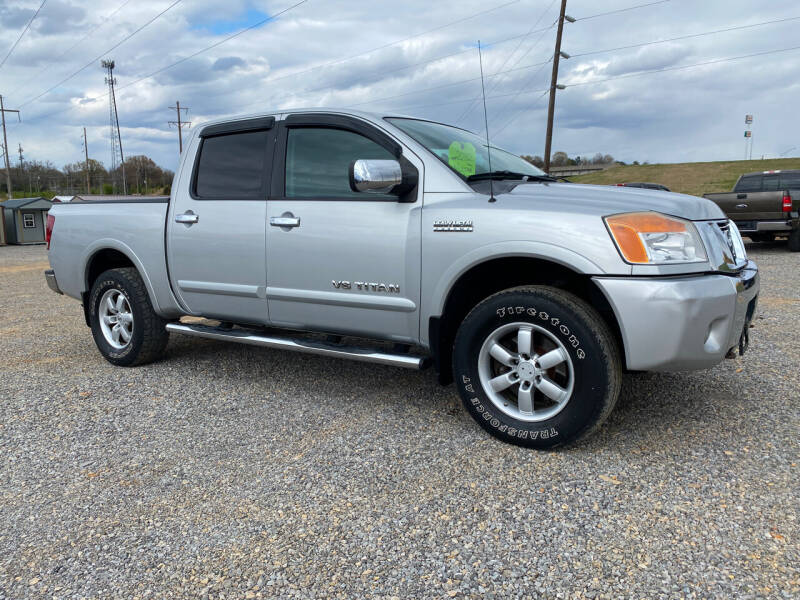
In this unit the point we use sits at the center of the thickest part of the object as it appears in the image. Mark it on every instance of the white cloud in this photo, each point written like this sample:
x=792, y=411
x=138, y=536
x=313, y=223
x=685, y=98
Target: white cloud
x=690, y=114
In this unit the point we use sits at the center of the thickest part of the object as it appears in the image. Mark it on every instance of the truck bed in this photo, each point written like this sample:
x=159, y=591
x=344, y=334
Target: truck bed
x=132, y=225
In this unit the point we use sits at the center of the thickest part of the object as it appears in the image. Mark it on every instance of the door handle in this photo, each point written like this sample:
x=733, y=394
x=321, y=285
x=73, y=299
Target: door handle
x=187, y=218
x=284, y=221
x=741, y=206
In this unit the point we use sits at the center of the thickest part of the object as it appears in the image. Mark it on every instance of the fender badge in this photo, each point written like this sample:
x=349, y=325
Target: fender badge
x=450, y=225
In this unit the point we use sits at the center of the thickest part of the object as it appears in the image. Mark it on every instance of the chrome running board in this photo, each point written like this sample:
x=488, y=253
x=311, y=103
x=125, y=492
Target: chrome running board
x=310, y=346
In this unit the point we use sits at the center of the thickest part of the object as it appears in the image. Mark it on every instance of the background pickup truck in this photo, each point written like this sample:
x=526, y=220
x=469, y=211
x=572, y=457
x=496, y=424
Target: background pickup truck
x=765, y=205
x=388, y=240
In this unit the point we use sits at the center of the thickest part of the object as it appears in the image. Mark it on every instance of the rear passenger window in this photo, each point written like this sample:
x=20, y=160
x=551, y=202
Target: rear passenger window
x=790, y=181
x=232, y=166
x=318, y=162
x=749, y=184
x=770, y=183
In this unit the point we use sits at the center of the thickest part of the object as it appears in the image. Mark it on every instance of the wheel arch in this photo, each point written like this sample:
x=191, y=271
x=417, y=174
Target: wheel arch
x=111, y=254
x=492, y=275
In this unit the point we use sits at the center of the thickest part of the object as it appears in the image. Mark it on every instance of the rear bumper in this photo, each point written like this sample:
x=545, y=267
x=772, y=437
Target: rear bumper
x=763, y=226
x=682, y=323
x=50, y=277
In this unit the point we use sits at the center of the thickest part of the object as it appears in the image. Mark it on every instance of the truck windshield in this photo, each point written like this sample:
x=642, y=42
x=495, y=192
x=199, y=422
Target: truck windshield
x=464, y=152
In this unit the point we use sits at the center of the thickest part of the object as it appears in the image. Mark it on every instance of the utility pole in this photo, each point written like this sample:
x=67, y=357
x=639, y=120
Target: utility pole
x=548, y=142
x=86, y=154
x=179, y=124
x=3, y=111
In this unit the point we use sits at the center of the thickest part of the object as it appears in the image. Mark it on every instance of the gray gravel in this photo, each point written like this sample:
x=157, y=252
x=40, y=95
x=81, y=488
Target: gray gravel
x=236, y=472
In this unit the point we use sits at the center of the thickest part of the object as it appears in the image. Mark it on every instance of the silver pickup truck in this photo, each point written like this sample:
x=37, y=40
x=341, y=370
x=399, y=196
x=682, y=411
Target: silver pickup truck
x=390, y=240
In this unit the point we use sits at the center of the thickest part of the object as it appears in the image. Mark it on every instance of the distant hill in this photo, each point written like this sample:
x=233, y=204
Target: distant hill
x=688, y=178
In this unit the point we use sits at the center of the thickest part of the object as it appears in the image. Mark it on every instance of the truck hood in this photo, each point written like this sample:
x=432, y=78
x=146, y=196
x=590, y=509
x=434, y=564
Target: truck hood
x=605, y=200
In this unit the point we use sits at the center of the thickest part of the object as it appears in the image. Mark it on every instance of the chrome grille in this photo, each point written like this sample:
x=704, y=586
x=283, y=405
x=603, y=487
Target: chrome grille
x=724, y=244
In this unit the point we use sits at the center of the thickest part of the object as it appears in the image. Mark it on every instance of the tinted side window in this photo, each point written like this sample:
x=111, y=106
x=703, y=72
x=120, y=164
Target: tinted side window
x=790, y=181
x=749, y=184
x=318, y=162
x=232, y=166
x=770, y=183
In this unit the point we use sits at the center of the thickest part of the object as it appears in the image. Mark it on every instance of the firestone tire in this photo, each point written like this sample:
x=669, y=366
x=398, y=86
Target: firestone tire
x=126, y=329
x=555, y=377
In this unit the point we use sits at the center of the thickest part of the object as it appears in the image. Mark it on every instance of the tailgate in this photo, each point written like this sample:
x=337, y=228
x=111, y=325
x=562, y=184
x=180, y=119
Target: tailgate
x=750, y=206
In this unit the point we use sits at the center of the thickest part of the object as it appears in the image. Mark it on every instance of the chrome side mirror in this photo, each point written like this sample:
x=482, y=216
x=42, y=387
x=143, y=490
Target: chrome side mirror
x=375, y=176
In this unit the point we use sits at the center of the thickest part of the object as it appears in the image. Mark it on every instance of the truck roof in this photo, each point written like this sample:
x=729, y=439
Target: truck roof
x=344, y=111
x=773, y=172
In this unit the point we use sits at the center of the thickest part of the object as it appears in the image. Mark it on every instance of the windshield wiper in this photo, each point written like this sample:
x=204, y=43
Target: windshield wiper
x=509, y=175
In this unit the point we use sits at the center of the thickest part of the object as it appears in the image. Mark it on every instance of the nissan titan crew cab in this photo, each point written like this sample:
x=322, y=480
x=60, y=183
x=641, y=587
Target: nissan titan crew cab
x=388, y=240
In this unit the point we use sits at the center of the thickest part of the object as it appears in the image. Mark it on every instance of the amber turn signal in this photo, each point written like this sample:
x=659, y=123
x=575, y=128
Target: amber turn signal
x=627, y=230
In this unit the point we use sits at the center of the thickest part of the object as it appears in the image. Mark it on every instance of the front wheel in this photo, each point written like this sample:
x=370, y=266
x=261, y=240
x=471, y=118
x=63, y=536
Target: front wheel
x=537, y=366
x=125, y=327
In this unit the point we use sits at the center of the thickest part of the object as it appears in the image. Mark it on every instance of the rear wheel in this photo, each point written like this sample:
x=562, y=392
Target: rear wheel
x=537, y=367
x=794, y=240
x=126, y=329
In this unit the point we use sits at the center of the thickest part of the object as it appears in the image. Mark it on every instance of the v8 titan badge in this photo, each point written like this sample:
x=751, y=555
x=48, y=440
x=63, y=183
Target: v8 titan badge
x=451, y=225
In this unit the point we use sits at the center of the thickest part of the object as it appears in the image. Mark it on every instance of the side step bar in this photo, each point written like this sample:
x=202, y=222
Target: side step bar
x=309, y=346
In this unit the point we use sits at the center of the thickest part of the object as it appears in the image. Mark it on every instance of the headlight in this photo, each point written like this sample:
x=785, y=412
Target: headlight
x=650, y=238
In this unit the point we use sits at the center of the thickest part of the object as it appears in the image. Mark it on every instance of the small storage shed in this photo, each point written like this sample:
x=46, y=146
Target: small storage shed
x=25, y=220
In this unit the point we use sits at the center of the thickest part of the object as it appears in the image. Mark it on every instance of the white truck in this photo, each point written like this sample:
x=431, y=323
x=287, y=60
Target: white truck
x=388, y=239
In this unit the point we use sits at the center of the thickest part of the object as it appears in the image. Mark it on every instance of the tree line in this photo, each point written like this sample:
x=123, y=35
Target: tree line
x=43, y=178
x=562, y=159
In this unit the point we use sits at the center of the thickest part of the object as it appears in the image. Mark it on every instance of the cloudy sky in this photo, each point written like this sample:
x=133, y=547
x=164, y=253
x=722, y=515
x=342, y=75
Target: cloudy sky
x=414, y=57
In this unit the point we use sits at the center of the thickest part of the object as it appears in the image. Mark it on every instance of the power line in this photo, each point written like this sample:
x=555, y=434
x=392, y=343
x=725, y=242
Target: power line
x=332, y=62
x=619, y=10
x=686, y=37
x=164, y=68
x=444, y=85
x=512, y=119
x=214, y=45
x=36, y=14
x=52, y=61
x=336, y=61
x=451, y=102
x=385, y=71
x=642, y=73
x=512, y=53
x=94, y=60
x=517, y=93
x=684, y=67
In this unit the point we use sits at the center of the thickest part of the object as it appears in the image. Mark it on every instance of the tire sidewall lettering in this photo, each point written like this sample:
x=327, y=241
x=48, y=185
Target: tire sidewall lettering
x=575, y=333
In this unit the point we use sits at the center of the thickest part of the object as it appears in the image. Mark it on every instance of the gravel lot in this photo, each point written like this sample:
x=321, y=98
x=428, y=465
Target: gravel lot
x=238, y=472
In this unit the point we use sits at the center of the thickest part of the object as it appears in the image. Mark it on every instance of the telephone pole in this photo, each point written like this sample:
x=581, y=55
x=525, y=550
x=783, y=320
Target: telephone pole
x=86, y=154
x=179, y=124
x=558, y=54
x=3, y=111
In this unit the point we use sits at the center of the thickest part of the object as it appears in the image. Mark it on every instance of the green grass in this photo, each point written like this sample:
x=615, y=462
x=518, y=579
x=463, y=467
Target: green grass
x=688, y=178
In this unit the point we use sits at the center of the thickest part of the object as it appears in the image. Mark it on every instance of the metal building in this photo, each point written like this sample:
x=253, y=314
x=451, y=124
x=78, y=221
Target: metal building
x=25, y=220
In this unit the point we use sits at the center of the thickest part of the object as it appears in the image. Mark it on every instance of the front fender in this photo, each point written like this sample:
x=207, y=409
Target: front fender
x=516, y=248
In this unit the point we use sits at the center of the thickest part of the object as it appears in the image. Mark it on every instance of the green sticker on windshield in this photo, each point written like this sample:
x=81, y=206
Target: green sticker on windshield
x=462, y=158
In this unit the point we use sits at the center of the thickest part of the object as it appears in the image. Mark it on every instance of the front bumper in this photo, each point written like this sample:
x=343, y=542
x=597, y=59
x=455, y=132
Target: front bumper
x=50, y=277
x=682, y=323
